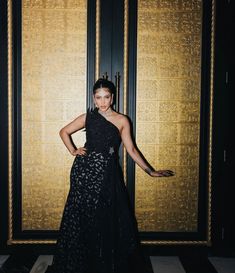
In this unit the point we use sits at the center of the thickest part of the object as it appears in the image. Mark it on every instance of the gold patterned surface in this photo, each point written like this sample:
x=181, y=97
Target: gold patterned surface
x=53, y=94
x=168, y=113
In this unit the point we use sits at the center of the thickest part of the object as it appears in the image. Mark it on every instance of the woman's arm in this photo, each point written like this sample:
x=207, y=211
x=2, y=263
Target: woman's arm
x=66, y=132
x=134, y=153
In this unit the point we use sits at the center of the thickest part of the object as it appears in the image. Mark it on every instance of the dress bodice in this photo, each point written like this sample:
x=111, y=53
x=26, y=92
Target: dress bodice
x=101, y=134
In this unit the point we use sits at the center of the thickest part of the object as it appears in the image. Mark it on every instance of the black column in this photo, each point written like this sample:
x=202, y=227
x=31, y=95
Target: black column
x=3, y=126
x=112, y=42
x=223, y=135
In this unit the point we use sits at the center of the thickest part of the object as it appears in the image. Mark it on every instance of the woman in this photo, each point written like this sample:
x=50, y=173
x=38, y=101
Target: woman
x=98, y=231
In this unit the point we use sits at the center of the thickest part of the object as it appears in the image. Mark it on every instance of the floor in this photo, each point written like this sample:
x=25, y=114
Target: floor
x=160, y=264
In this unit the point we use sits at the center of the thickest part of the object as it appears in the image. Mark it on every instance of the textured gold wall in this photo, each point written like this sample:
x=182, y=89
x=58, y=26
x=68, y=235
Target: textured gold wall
x=53, y=94
x=168, y=112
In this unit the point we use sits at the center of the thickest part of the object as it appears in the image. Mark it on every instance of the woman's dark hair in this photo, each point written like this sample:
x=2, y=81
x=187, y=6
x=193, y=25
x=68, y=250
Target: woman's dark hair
x=103, y=83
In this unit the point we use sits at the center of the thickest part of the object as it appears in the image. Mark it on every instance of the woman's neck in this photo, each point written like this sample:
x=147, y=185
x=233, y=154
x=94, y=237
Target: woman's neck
x=106, y=113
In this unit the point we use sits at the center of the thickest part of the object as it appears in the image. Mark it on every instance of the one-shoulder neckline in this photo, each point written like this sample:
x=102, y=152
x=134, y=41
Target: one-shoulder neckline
x=119, y=133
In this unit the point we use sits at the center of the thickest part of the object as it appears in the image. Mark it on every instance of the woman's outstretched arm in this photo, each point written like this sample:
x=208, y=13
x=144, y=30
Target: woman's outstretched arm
x=134, y=153
x=66, y=132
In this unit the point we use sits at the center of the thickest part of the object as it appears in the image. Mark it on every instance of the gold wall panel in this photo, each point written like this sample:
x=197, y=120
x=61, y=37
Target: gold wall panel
x=168, y=113
x=53, y=94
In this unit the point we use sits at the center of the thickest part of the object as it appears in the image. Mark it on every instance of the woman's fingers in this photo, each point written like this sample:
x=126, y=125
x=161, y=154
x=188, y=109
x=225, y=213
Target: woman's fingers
x=81, y=151
x=166, y=173
x=169, y=172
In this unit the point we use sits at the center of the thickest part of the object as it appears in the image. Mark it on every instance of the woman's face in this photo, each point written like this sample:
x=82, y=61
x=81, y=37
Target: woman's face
x=103, y=98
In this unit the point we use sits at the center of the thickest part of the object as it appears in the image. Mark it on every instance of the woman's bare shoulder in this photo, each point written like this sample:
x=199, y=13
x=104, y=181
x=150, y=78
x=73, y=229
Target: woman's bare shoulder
x=122, y=118
x=82, y=116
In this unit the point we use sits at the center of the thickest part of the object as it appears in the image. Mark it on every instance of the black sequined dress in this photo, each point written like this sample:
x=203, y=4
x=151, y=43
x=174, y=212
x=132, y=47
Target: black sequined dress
x=98, y=231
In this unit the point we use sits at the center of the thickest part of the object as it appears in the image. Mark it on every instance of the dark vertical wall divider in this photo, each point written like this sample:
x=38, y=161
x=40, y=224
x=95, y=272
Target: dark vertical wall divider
x=223, y=201
x=91, y=36
x=131, y=97
x=112, y=42
x=17, y=116
x=3, y=126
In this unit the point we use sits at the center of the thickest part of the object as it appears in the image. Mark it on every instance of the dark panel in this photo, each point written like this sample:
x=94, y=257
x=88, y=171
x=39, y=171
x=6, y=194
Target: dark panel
x=16, y=115
x=112, y=40
x=3, y=126
x=117, y=48
x=131, y=87
x=91, y=40
x=112, y=48
x=223, y=134
x=106, y=27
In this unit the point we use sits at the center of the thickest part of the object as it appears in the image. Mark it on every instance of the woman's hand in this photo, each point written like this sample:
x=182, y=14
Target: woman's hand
x=79, y=151
x=162, y=173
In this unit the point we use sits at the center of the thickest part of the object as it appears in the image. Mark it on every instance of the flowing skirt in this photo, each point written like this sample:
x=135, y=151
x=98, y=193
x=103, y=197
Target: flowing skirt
x=98, y=231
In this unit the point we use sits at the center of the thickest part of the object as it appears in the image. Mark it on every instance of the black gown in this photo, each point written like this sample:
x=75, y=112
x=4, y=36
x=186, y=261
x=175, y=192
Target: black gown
x=98, y=232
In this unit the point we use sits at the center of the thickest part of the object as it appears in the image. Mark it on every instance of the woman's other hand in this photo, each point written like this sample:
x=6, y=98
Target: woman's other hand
x=79, y=151
x=162, y=173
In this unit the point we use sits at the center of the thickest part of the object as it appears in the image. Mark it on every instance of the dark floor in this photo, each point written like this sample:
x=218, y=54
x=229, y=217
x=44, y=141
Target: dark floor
x=160, y=264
